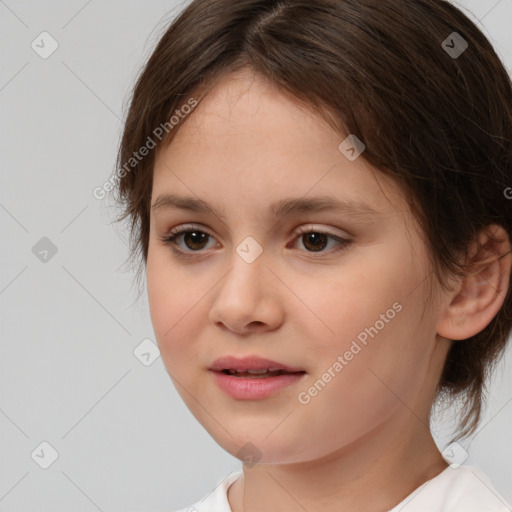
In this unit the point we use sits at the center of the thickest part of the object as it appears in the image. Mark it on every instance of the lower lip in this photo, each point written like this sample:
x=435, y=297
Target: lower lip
x=248, y=388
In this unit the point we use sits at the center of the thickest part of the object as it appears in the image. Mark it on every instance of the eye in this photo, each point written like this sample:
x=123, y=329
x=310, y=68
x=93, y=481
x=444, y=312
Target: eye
x=317, y=239
x=196, y=239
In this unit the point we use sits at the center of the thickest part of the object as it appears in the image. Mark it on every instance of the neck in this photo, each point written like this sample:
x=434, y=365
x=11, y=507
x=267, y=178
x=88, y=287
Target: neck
x=373, y=474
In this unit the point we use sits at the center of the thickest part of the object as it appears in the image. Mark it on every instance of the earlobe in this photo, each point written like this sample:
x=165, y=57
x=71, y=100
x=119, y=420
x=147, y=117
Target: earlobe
x=481, y=293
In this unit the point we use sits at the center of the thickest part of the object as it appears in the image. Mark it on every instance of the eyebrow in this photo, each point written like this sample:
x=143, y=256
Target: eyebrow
x=278, y=209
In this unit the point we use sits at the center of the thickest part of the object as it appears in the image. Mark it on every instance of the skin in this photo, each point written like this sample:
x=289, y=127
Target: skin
x=363, y=443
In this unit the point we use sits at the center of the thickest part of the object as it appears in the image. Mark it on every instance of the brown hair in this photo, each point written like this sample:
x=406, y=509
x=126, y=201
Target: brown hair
x=439, y=124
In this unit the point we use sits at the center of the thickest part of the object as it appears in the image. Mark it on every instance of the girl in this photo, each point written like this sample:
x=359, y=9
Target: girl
x=319, y=191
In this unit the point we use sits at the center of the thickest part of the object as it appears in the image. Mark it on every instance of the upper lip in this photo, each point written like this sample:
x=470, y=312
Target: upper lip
x=250, y=363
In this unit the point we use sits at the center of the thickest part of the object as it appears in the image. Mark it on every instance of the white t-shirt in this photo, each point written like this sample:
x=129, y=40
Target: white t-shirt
x=456, y=489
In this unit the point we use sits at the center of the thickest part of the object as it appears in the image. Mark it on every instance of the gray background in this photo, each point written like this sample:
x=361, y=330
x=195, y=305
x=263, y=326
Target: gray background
x=70, y=324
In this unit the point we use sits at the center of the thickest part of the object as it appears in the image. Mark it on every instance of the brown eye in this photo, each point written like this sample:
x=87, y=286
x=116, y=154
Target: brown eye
x=187, y=240
x=194, y=240
x=315, y=241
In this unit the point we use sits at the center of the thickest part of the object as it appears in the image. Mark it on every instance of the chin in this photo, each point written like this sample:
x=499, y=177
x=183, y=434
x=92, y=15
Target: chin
x=257, y=448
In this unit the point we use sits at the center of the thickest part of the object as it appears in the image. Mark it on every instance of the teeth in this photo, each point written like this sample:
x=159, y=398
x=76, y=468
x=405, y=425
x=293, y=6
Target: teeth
x=255, y=372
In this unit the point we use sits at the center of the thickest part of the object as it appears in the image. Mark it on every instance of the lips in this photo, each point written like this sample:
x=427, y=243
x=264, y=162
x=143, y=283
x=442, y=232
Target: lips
x=252, y=365
x=250, y=378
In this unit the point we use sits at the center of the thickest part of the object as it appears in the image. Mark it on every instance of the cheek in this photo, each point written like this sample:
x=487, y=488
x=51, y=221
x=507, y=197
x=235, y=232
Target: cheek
x=362, y=300
x=347, y=399
x=375, y=379
x=371, y=317
x=176, y=311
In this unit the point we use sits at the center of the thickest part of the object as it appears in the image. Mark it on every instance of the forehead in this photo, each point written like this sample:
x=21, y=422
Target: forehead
x=245, y=103
x=249, y=137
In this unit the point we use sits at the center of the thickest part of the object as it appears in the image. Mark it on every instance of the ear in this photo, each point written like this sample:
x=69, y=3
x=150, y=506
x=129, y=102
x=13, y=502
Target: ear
x=478, y=297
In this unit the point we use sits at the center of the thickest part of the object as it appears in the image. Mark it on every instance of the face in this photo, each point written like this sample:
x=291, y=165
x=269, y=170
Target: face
x=335, y=292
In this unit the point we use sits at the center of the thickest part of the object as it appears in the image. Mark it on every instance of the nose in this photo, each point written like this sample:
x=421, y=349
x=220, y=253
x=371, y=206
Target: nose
x=249, y=298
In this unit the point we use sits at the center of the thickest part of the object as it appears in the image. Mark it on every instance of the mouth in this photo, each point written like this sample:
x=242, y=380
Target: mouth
x=252, y=367
x=259, y=374
x=253, y=377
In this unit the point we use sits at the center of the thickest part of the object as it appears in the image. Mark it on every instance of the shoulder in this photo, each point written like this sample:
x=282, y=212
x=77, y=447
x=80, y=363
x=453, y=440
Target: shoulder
x=217, y=499
x=456, y=489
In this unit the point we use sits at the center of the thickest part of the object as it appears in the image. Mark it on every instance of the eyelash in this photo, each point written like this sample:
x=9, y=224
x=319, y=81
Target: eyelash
x=170, y=238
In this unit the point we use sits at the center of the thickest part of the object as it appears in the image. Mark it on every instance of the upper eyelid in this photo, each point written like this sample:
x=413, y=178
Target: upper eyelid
x=170, y=239
x=303, y=228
